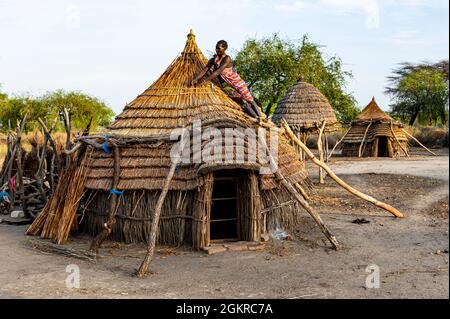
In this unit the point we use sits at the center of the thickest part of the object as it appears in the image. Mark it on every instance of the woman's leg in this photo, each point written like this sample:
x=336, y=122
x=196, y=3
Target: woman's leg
x=255, y=108
x=248, y=109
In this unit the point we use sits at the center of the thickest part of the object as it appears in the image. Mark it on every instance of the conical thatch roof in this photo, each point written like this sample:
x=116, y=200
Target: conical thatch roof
x=373, y=112
x=171, y=103
x=304, y=106
x=370, y=125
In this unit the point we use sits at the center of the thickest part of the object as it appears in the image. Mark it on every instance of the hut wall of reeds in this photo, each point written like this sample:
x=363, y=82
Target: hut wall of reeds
x=193, y=212
x=374, y=133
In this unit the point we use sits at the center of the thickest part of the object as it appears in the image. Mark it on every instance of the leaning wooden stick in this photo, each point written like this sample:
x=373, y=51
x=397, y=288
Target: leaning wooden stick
x=417, y=141
x=20, y=128
x=155, y=220
x=320, y=147
x=47, y=133
x=299, y=198
x=360, y=152
x=339, y=181
x=68, y=128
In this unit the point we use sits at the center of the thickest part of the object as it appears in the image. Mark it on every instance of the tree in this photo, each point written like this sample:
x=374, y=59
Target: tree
x=271, y=65
x=81, y=108
x=3, y=96
x=13, y=109
x=420, y=92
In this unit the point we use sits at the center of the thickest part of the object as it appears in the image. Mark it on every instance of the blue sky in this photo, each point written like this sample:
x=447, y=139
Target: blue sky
x=115, y=49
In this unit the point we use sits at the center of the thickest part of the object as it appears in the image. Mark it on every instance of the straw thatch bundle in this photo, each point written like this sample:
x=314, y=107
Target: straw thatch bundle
x=374, y=133
x=304, y=107
x=139, y=165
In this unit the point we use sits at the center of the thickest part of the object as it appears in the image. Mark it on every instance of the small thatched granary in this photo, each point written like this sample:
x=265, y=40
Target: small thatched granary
x=207, y=200
x=373, y=133
x=307, y=111
x=305, y=108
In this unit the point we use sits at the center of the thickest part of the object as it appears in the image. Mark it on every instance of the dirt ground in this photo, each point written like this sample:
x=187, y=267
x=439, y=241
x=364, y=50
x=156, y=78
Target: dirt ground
x=411, y=253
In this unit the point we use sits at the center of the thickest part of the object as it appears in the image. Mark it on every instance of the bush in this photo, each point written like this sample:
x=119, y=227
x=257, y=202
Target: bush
x=429, y=136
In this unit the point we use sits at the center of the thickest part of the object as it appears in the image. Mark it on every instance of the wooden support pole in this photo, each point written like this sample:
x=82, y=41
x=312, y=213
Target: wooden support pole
x=320, y=148
x=417, y=141
x=41, y=171
x=20, y=128
x=339, y=181
x=299, y=150
x=302, y=191
x=56, y=159
x=364, y=139
x=336, y=145
x=68, y=128
x=299, y=198
x=107, y=227
x=155, y=223
x=156, y=215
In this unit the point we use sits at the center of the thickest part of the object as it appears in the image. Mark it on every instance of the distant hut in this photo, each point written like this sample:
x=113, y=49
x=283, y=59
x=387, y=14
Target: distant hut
x=373, y=133
x=307, y=111
x=206, y=201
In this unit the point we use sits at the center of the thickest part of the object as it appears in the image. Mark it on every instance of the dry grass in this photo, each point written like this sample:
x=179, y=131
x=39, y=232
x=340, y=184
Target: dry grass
x=3, y=148
x=26, y=144
x=430, y=136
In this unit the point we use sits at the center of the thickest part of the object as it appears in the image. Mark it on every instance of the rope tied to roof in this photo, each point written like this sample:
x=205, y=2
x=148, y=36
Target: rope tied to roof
x=116, y=192
x=105, y=144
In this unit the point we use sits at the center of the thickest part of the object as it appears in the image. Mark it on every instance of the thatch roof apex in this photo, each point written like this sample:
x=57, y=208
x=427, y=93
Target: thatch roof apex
x=171, y=102
x=304, y=106
x=373, y=112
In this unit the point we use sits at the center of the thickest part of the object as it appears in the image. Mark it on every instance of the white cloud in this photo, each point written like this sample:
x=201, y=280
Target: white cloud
x=297, y=6
x=420, y=3
x=369, y=8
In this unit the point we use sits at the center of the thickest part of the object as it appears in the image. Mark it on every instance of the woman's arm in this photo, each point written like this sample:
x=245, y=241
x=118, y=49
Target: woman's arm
x=225, y=63
x=202, y=72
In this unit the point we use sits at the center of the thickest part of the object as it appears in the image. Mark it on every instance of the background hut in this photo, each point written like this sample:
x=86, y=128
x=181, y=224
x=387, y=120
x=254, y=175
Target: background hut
x=307, y=111
x=207, y=200
x=373, y=133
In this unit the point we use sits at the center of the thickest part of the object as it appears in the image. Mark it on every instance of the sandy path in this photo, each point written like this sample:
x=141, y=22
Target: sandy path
x=432, y=167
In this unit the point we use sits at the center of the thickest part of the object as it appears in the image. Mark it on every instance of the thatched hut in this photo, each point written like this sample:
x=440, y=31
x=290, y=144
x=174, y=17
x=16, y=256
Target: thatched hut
x=307, y=111
x=207, y=200
x=373, y=133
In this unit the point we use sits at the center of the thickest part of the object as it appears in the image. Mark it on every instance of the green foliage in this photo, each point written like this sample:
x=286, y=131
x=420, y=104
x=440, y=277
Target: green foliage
x=271, y=65
x=81, y=108
x=420, y=94
x=3, y=96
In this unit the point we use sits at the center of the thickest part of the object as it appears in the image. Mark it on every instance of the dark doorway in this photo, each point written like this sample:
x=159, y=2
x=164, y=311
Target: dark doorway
x=224, y=207
x=383, y=147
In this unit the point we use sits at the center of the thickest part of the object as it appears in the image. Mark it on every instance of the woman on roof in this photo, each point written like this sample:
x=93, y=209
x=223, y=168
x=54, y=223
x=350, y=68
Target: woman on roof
x=220, y=67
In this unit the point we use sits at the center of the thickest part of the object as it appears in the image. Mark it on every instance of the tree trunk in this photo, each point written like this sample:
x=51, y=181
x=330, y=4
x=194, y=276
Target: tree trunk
x=413, y=118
